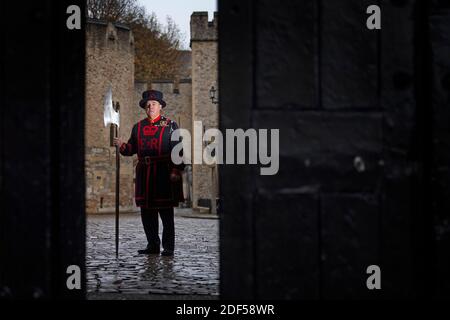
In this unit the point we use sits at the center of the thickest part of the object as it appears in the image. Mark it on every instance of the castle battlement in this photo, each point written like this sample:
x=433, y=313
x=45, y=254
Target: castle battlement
x=102, y=34
x=168, y=87
x=201, y=28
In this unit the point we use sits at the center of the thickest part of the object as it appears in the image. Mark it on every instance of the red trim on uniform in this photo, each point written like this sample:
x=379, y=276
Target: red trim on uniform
x=160, y=140
x=154, y=179
x=146, y=183
x=137, y=185
x=154, y=120
x=139, y=137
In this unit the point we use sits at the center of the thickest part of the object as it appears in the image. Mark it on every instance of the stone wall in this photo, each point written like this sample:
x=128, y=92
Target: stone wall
x=109, y=61
x=204, y=76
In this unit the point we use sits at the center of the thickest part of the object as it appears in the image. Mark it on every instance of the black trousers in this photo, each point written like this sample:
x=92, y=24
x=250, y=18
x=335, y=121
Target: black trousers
x=151, y=228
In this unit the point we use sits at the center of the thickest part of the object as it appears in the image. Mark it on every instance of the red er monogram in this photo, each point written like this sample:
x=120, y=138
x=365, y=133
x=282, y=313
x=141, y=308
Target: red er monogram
x=150, y=130
x=153, y=144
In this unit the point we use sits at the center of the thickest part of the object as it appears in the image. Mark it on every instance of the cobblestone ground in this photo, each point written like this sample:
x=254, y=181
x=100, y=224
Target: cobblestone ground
x=192, y=271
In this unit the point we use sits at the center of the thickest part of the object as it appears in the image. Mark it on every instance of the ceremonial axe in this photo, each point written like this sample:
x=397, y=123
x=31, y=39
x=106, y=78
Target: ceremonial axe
x=111, y=117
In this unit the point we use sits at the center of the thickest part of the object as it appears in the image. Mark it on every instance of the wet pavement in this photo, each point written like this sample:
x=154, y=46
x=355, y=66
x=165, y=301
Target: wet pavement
x=193, y=271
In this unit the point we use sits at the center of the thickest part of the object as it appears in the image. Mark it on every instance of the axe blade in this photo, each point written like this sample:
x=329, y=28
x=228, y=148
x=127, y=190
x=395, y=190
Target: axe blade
x=110, y=116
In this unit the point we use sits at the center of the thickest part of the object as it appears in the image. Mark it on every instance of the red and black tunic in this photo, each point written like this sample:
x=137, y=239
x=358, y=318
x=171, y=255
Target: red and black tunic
x=150, y=139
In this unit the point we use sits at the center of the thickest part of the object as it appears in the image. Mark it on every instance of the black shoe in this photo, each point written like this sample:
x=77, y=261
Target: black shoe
x=167, y=253
x=149, y=251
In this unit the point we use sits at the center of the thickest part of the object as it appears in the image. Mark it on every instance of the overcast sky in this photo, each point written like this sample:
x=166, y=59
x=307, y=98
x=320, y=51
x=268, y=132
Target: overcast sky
x=180, y=11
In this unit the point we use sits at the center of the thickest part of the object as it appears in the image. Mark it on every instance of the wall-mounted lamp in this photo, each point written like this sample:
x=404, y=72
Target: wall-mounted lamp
x=213, y=95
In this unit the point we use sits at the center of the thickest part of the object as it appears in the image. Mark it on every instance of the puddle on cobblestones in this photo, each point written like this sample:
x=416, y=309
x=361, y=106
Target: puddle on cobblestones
x=193, y=270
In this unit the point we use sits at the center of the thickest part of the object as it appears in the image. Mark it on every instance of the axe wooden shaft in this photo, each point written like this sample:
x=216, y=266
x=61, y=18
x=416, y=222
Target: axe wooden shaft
x=116, y=131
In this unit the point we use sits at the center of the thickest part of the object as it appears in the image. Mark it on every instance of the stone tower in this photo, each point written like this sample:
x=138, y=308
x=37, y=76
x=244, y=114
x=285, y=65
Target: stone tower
x=109, y=61
x=204, y=76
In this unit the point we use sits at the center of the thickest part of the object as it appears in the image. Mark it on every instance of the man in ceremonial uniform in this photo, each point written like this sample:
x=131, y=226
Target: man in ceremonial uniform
x=158, y=186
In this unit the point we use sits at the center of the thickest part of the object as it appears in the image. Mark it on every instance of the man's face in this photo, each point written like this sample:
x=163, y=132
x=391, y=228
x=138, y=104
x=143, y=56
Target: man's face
x=153, y=108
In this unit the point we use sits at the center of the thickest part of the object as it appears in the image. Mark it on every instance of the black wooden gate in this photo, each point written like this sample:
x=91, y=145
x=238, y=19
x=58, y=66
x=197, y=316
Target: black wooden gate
x=357, y=123
x=42, y=150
